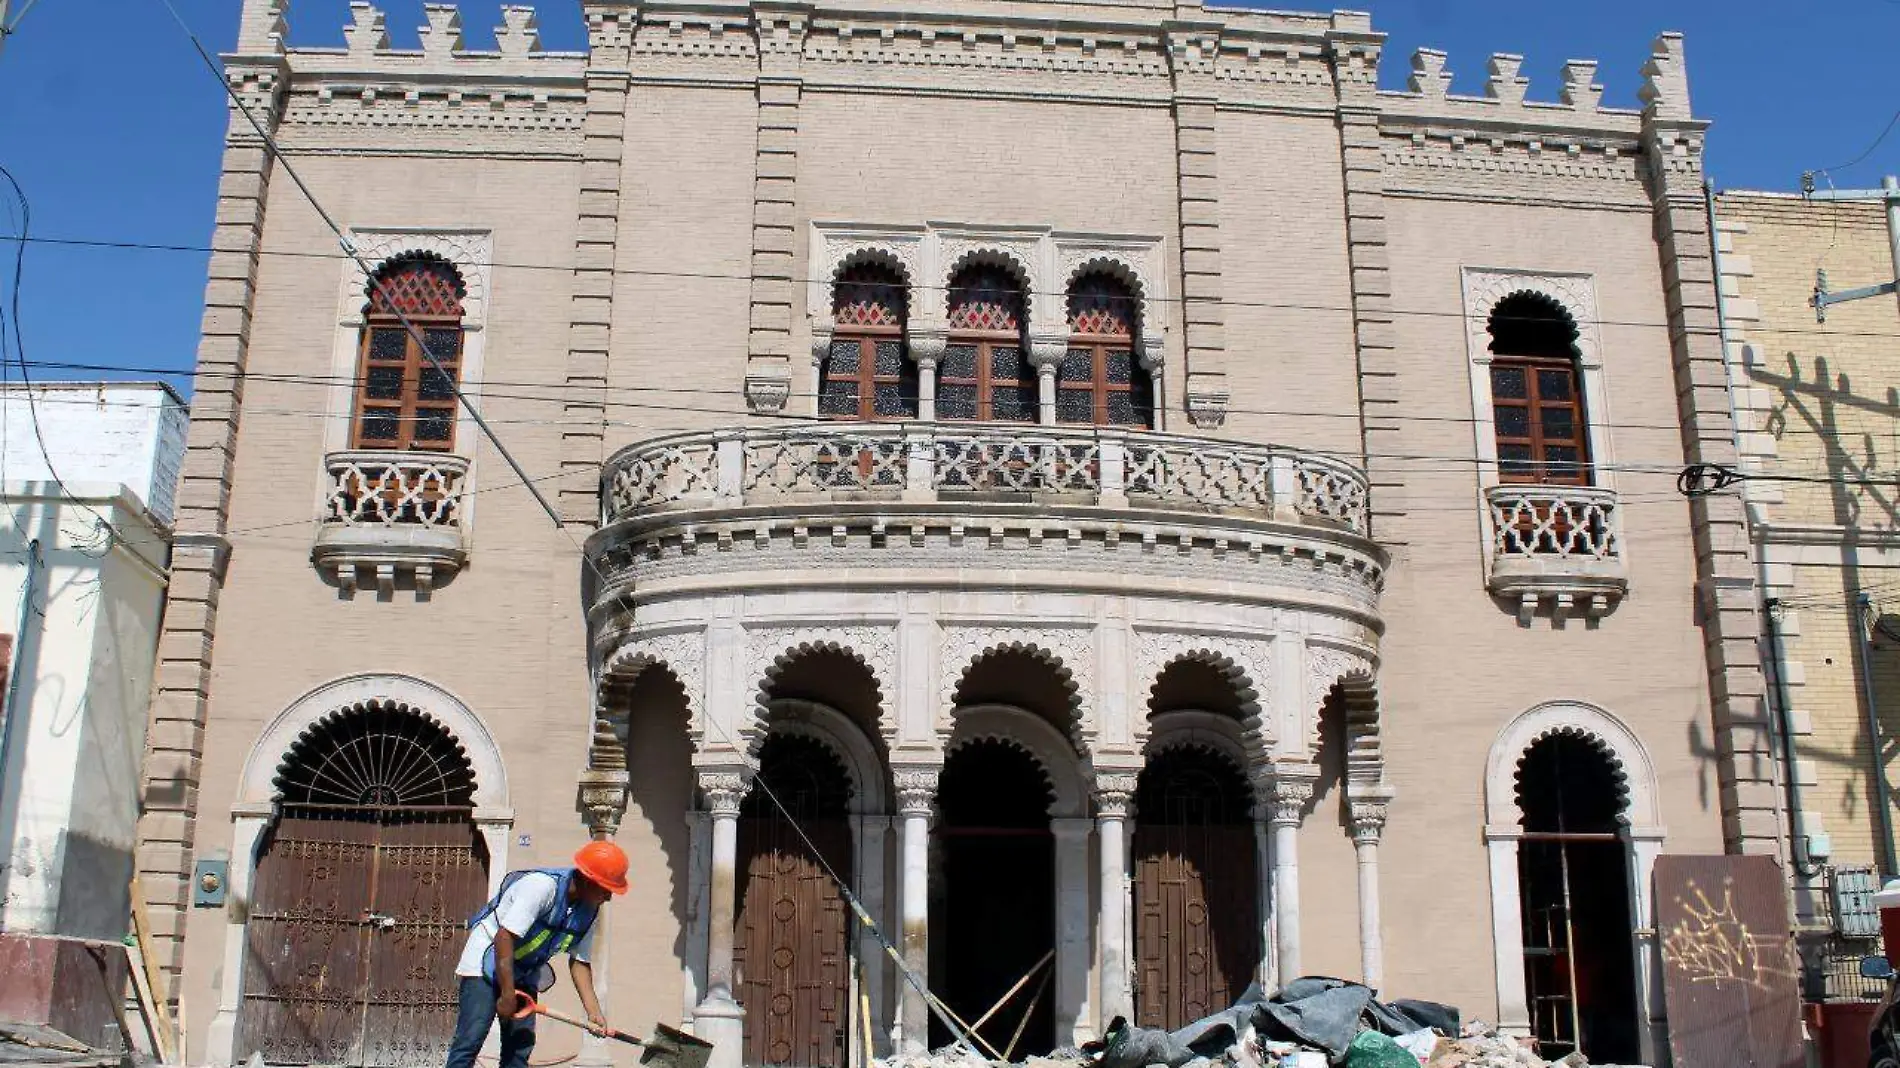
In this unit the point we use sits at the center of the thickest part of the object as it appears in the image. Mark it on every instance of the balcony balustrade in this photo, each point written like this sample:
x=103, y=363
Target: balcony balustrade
x=1560, y=547
x=928, y=463
x=392, y=514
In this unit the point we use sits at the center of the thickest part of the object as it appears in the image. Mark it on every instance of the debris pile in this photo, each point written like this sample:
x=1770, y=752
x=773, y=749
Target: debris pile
x=1309, y=1023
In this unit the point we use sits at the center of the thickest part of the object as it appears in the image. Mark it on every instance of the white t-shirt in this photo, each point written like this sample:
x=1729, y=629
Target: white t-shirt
x=525, y=902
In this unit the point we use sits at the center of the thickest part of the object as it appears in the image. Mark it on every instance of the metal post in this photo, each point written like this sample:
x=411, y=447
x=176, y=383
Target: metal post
x=1891, y=186
x=1863, y=607
x=1777, y=658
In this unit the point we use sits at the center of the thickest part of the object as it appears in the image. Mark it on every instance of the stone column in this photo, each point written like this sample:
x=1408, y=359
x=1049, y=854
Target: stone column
x=1113, y=795
x=926, y=346
x=916, y=793
x=1290, y=789
x=1269, y=970
x=719, y=1019
x=1645, y=844
x=1368, y=822
x=603, y=799
x=1507, y=938
x=1073, y=1026
x=869, y=833
x=1046, y=352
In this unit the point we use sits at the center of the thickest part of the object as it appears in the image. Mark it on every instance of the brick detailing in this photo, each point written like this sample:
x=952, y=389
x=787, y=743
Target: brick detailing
x=780, y=30
x=1193, y=56
x=182, y=681
x=1355, y=58
x=1725, y=576
x=590, y=324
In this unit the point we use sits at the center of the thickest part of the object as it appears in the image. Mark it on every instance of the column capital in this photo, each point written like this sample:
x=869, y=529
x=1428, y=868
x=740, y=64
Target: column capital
x=1114, y=794
x=916, y=789
x=724, y=790
x=1046, y=350
x=1285, y=790
x=926, y=344
x=602, y=799
x=1368, y=821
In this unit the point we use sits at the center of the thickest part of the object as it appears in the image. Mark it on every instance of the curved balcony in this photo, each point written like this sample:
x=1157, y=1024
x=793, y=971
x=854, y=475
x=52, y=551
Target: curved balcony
x=394, y=515
x=922, y=464
x=1556, y=547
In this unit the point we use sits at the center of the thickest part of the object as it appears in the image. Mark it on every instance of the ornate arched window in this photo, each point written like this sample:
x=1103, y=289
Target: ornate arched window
x=402, y=400
x=1100, y=380
x=865, y=374
x=1536, y=394
x=985, y=373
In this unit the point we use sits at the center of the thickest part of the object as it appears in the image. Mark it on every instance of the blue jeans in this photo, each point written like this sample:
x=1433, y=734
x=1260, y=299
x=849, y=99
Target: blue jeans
x=473, y=1018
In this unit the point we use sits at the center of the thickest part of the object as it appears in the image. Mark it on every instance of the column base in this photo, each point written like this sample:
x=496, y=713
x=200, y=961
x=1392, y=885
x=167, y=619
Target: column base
x=220, y=1038
x=721, y=1021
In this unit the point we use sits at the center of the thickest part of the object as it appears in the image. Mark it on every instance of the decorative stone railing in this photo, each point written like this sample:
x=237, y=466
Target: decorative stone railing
x=394, y=514
x=1560, y=547
x=926, y=462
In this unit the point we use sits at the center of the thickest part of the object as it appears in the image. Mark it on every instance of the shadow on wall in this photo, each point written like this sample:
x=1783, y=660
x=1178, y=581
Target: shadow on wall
x=95, y=888
x=1858, y=465
x=660, y=791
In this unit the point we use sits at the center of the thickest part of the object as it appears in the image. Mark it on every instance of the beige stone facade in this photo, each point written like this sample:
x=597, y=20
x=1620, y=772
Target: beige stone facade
x=1312, y=571
x=1814, y=408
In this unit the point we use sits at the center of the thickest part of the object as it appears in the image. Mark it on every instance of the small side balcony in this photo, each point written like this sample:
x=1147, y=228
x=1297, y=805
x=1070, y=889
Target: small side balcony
x=392, y=516
x=1556, y=548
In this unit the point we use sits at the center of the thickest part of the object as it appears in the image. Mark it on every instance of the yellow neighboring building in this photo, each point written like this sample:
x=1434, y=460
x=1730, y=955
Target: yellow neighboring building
x=1819, y=408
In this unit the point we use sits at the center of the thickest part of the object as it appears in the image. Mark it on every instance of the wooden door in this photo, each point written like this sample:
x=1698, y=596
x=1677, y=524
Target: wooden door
x=790, y=951
x=357, y=919
x=1197, y=936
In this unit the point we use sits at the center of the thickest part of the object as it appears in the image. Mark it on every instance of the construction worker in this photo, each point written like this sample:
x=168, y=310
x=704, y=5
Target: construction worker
x=539, y=914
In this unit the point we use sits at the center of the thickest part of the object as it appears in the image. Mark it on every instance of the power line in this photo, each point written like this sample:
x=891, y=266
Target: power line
x=725, y=276
x=1857, y=160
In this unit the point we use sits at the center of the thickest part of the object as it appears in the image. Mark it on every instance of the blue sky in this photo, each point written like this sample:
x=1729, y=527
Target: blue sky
x=112, y=126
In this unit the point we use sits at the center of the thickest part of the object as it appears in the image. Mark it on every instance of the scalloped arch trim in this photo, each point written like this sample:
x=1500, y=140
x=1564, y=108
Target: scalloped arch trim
x=1598, y=726
x=1077, y=735
x=1253, y=727
x=991, y=256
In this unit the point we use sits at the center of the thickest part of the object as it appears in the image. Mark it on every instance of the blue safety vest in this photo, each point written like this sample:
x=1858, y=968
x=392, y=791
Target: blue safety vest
x=554, y=932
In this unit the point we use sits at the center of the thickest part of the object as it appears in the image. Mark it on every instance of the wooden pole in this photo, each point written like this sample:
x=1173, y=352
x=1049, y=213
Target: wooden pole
x=141, y=930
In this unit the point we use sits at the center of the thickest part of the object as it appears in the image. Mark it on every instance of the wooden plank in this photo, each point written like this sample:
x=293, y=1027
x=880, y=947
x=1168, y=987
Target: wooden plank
x=1730, y=970
x=154, y=989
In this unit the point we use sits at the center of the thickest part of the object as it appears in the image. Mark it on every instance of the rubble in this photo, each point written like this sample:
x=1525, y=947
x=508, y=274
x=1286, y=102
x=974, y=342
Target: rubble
x=1309, y=1023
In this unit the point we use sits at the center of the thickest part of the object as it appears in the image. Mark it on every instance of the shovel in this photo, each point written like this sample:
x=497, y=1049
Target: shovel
x=668, y=1048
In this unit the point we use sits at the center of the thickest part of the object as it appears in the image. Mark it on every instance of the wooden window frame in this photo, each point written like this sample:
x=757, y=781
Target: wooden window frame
x=410, y=405
x=986, y=381
x=1099, y=346
x=1537, y=469
x=865, y=379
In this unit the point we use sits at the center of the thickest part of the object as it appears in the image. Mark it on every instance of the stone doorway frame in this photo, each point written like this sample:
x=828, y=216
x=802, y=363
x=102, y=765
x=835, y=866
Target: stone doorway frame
x=254, y=806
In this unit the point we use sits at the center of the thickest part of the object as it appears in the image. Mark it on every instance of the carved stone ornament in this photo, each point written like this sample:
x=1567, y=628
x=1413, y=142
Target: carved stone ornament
x=1207, y=408
x=1244, y=662
x=603, y=800
x=1114, y=794
x=916, y=790
x=770, y=648
x=1289, y=791
x=1368, y=821
x=724, y=791
x=767, y=394
x=1073, y=647
x=1325, y=666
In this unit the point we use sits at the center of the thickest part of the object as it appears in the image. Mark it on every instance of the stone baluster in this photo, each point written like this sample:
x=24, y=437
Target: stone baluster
x=927, y=344
x=1289, y=790
x=1368, y=823
x=916, y=794
x=1046, y=353
x=1113, y=796
x=719, y=1019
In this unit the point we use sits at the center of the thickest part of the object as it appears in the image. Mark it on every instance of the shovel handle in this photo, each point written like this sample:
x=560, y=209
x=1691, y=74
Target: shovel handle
x=527, y=1007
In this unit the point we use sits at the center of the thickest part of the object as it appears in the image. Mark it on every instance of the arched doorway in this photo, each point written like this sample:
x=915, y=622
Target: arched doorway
x=1197, y=940
x=993, y=910
x=789, y=950
x=1573, y=886
x=365, y=882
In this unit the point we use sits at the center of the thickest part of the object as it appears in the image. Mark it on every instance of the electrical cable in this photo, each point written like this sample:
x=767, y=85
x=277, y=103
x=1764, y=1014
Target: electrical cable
x=1227, y=302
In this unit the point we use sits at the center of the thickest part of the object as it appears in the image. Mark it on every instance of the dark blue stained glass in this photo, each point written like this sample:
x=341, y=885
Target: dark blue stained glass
x=380, y=424
x=436, y=385
x=1075, y=406
x=1118, y=366
x=1554, y=385
x=435, y=424
x=890, y=357
x=1508, y=383
x=838, y=397
x=444, y=345
x=1514, y=422
x=1121, y=410
x=388, y=344
x=959, y=361
x=1559, y=422
x=844, y=359
x=1016, y=405
x=956, y=402
x=1078, y=365
x=1006, y=361
x=891, y=399
x=383, y=383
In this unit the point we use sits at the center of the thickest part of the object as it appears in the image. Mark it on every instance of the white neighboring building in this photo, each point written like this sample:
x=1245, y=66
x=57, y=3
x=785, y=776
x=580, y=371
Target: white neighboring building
x=79, y=652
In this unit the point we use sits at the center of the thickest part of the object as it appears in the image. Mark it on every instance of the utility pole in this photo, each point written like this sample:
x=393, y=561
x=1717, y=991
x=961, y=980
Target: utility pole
x=1889, y=192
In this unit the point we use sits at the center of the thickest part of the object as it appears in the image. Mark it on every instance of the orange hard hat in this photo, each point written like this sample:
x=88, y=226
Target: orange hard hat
x=605, y=864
